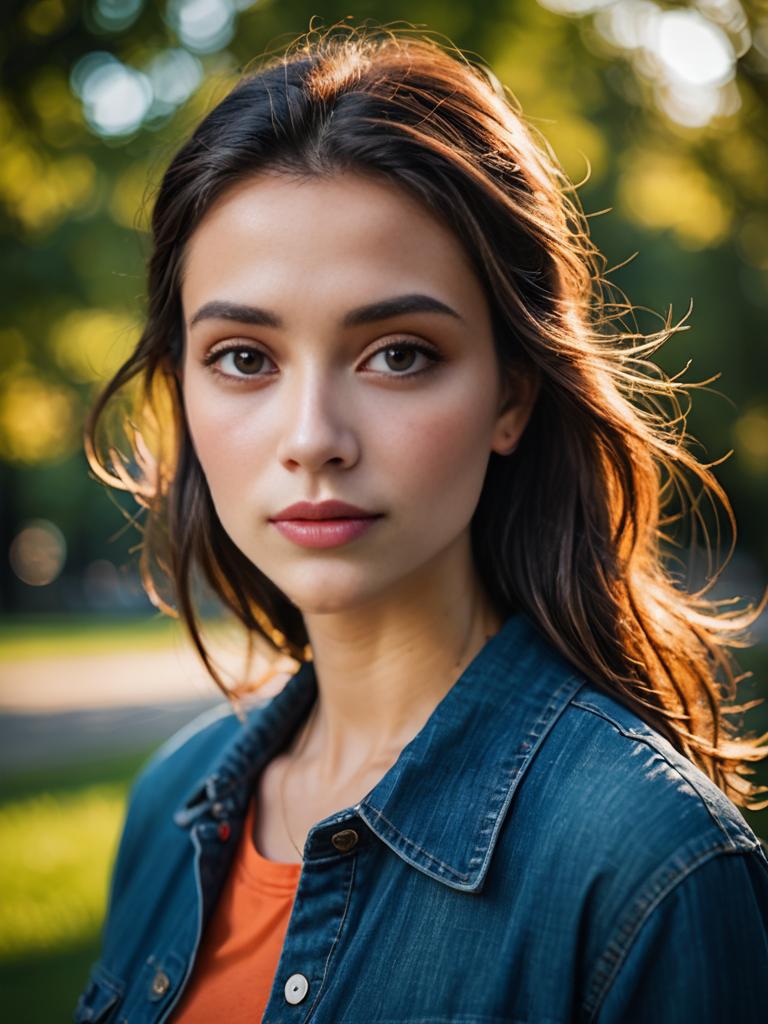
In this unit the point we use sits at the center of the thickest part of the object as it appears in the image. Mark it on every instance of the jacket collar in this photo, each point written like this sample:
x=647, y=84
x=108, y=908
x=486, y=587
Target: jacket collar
x=441, y=806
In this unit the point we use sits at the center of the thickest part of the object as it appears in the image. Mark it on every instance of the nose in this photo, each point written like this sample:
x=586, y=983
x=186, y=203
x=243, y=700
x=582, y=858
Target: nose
x=316, y=428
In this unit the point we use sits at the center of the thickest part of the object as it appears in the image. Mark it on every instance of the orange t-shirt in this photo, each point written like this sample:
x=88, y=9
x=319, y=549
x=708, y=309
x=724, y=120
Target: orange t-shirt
x=241, y=946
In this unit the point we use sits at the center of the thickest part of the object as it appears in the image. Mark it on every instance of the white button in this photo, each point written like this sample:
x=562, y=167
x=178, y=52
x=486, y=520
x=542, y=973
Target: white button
x=296, y=988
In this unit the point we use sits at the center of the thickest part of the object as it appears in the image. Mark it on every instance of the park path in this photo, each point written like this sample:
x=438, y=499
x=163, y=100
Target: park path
x=125, y=677
x=78, y=707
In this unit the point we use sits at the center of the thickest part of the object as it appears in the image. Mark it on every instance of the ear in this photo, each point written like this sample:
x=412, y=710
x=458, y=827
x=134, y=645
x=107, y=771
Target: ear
x=520, y=391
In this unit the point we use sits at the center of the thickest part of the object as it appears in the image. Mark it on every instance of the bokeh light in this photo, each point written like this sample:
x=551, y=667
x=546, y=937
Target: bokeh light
x=203, y=25
x=90, y=344
x=574, y=6
x=115, y=15
x=38, y=552
x=115, y=97
x=38, y=418
x=174, y=75
x=118, y=99
x=693, y=49
x=688, y=56
x=751, y=436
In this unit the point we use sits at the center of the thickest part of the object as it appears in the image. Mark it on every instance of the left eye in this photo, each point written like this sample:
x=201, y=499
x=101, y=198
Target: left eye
x=245, y=361
x=401, y=356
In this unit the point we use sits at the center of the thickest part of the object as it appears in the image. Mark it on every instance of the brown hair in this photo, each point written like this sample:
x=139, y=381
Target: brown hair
x=570, y=529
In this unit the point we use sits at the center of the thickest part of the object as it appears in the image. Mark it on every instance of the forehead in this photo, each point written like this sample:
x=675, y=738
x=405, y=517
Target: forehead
x=347, y=233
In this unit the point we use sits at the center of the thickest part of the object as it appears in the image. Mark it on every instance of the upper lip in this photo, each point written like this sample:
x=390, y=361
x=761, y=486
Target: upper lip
x=323, y=510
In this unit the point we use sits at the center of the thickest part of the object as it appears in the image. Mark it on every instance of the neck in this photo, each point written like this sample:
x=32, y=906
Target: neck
x=383, y=667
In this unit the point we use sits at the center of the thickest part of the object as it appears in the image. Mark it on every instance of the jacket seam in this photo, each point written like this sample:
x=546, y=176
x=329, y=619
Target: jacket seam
x=648, y=741
x=617, y=949
x=408, y=843
x=502, y=796
x=334, y=944
x=190, y=962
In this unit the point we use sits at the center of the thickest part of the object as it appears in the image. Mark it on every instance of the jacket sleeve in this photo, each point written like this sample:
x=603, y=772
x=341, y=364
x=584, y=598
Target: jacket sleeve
x=701, y=954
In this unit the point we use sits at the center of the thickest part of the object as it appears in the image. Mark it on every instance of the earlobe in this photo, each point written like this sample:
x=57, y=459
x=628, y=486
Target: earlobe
x=506, y=451
x=505, y=447
x=518, y=402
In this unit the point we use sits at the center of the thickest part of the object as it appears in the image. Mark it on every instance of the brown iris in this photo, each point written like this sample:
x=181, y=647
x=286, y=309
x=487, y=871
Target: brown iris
x=406, y=354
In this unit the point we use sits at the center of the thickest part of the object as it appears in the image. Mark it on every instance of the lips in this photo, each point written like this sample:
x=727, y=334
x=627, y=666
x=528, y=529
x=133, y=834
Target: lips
x=324, y=524
x=331, y=509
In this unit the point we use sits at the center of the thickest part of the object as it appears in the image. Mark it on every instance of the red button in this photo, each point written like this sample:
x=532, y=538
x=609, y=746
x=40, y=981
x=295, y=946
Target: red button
x=224, y=831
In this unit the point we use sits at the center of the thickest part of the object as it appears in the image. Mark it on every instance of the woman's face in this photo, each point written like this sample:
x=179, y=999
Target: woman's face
x=304, y=381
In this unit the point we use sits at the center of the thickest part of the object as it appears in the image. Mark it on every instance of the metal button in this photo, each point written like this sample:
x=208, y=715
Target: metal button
x=345, y=840
x=160, y=983
x=296, y=988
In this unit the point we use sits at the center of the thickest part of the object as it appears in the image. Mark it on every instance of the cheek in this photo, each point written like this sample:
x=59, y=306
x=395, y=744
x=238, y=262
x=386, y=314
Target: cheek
x=225, y=441
x=439, y=451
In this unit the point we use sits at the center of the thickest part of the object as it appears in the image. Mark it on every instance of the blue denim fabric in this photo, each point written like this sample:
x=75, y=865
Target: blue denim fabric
x=537, y=854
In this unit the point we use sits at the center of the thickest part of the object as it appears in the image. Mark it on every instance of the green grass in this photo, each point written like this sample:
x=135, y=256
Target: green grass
x=44, y=989
x=56, y=636
x=71, y=778
x=54, y=857
x=58, y=835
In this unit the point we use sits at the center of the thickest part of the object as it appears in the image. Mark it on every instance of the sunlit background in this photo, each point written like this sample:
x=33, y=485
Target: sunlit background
x=659, y=110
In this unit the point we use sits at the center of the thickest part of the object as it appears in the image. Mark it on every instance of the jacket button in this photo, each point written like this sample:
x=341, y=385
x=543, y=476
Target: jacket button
x=160, y=983
x=296, y=988
x=344, y=841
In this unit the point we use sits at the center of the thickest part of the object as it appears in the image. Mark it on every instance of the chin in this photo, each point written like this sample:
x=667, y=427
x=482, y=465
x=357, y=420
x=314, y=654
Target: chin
x=328, y=591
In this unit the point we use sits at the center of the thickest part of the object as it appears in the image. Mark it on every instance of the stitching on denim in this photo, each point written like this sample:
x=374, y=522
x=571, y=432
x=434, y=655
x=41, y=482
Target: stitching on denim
x=604, y=979
x=108, y=979
x=526, y=752
x=502, y=796
x=198, y=925
x=350, y=883
x=648, y=741
x=414, y=846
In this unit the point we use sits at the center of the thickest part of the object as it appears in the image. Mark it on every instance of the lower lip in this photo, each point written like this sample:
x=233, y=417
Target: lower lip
x=323, y=533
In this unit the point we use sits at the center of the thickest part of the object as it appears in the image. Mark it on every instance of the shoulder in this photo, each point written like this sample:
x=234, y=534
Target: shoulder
x=604, y=769
x=668, y=857
x=171, y=777
x=184, y=757
x=179, y=768
x=625, y=831
x=626, y=771
x=616, y=815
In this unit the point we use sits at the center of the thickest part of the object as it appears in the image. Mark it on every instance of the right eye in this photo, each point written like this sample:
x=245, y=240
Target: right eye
x=237, y=362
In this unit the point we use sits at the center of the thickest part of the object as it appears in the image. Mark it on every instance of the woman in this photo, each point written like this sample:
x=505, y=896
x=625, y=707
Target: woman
x=386, y=417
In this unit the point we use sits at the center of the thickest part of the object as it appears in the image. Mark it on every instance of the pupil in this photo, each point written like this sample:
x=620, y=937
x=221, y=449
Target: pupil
x=398, y=363
x=244, y=360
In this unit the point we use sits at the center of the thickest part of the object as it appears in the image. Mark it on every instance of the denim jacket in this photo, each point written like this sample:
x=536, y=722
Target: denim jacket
x=537, y=854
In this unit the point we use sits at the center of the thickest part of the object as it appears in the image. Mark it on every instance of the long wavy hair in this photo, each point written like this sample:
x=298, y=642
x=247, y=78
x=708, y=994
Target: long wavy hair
x=570, y=529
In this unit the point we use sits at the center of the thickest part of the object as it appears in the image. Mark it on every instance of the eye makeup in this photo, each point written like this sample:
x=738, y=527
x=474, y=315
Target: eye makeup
x=214, y=357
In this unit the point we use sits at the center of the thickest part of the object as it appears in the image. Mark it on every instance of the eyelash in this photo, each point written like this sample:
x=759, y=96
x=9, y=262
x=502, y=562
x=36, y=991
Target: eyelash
x=216, y=355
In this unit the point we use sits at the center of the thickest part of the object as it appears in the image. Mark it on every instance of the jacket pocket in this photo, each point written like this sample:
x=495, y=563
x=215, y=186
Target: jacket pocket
x=100, y=999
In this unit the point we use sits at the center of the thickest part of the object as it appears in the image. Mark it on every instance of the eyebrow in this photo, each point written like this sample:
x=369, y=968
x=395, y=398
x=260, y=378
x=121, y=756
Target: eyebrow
x=374, y=311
